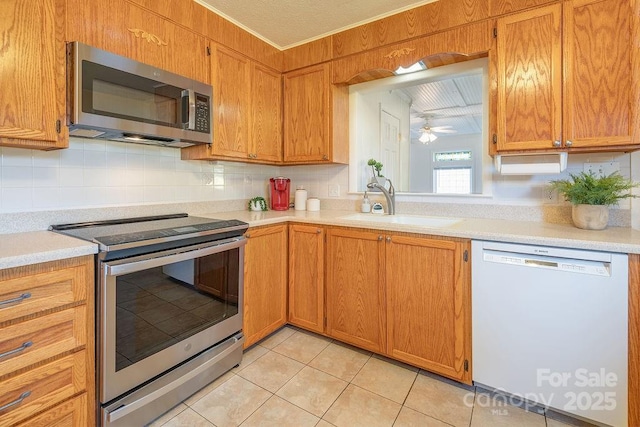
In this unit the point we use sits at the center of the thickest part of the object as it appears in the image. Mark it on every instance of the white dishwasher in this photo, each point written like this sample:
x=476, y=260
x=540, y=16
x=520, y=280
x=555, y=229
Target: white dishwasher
x=550, y=325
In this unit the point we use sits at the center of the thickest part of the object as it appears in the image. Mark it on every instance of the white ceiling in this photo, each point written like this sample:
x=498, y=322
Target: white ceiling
x=288, y=23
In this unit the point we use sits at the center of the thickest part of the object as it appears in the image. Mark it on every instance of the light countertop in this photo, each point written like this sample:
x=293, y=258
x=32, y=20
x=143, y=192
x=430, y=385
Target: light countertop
x=40, y=246
x=33, y=247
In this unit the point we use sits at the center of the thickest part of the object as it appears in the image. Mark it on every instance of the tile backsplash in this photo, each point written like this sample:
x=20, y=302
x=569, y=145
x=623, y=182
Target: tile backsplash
x=94, y=173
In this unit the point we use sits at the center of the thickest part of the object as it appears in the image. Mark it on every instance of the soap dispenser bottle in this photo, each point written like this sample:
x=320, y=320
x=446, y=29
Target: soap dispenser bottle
x=366, y=205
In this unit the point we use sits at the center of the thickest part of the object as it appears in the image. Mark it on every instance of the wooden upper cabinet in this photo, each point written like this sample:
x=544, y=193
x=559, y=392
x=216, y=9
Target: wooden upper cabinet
x=529, y=67
x=265, y=128
x=306, y=277
x=32, y=72
x=231, y=74
x=126, y=29
x=355, y=288
x=265, y=282
x=315, y=117
x=598, y=102
x=247, y=112
x=429, y=305
x=567, y=79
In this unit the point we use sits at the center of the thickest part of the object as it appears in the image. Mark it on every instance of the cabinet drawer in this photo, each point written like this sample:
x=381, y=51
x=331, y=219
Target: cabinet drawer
x=32, y=294
x=72, y=413
x=35, y=340
x=41, y=388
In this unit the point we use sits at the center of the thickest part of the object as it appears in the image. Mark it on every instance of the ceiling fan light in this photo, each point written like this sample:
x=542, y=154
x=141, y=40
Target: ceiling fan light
x=427, y=137
x=418, y=66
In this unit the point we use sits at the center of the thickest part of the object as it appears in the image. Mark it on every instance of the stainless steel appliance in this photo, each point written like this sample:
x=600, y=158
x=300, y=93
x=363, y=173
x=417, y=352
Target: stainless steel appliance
x=550, y=327
x=116, y=98
x=169, y=310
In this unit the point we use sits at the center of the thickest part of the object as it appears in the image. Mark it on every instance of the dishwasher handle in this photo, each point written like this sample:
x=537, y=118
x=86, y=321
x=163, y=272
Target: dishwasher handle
x=580, y=266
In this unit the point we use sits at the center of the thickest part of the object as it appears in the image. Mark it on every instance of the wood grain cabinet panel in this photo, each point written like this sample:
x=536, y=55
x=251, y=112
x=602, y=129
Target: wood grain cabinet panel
x=265, y=282
x=429, y=304
x=315, y=117
x=566, y=79
x=634, y=340
x=32, y=72
x=72, y=413
x=306, y=277
x=126, y=29
x=355, y=288
x=247, y=112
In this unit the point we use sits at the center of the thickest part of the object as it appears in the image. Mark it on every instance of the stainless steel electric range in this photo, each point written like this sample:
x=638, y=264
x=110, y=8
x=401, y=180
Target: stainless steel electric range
x=168, y=309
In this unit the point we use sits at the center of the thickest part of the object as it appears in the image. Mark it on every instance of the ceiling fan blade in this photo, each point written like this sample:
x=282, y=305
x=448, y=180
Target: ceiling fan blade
x=444, y=131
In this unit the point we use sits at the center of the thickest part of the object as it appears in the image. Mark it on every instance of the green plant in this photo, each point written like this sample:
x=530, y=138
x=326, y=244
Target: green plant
x=376, y=167
x=259, y=201
x=587, y=189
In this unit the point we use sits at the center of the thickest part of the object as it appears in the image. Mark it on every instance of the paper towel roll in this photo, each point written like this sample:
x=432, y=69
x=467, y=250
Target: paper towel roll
x=300, y=200
x=313, y=204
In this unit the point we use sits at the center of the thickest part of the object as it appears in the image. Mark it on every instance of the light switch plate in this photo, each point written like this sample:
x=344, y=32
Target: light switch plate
x=334, y=190
x=602, y=169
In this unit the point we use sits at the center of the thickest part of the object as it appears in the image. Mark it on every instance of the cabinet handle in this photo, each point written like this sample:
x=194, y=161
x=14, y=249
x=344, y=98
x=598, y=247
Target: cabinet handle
x=380, y=238
x=23, y=347
x=14, y=301
x=388, y=239
x=568, y=143
x=557, y=143
x=18, y=401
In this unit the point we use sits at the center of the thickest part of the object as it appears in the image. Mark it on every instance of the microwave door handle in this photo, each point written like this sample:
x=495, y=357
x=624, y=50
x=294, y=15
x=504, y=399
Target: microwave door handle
x=188, y=109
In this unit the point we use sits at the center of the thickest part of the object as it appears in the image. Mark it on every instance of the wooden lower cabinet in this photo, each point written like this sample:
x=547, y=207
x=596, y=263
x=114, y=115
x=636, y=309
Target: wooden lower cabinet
x=429, y=304
x=355, y=288
x=405, y=296
x=265, y=282
x=49, y=379
x=306, y=276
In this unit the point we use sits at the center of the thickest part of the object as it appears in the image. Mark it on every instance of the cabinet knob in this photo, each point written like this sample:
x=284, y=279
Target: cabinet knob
x=247, y=235
x=325, y=157
x=318, y=231
x=388, y=239
x=568, y=143
x=557, y=143
x=380, y=238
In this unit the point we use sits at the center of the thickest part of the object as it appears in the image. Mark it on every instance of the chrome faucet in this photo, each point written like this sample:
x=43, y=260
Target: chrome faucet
x=389, y=194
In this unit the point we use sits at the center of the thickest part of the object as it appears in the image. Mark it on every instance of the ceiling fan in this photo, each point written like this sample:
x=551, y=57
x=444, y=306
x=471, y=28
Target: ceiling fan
x=429, y=132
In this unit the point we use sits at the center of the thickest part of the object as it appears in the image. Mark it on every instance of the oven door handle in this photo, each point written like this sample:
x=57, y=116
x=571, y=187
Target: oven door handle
x=137, y=404
x=158, y=261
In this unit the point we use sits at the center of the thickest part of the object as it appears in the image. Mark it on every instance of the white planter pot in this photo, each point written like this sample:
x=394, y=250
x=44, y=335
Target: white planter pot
x=590, y=217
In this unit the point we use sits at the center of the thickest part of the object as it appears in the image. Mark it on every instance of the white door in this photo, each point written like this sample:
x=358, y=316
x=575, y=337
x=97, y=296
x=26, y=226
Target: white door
x=390, y=145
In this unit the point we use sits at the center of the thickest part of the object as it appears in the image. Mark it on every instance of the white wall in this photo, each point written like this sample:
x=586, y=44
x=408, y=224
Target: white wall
x=93, y=173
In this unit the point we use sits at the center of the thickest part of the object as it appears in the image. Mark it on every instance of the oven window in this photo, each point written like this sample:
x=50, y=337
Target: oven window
x=159, y=307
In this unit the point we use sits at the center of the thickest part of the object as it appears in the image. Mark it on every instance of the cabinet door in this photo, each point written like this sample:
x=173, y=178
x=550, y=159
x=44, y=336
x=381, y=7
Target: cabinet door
x=355, y=288
x=231, y=83
x=266, y=114
x=265, y=282
x=306, y=114
x=429, y=305
x=306, y=277
x=529, y=58
x=32, y=72
x=598, y=107
x=126, y=29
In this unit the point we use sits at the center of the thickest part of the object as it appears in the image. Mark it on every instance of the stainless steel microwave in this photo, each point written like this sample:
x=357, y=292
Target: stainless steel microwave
x=116, y=98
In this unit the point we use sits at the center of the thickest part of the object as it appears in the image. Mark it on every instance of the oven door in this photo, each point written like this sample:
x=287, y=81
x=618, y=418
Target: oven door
x=160, y=309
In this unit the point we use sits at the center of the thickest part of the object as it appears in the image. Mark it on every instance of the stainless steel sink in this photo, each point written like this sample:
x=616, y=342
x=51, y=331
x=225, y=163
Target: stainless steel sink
x=425, y=221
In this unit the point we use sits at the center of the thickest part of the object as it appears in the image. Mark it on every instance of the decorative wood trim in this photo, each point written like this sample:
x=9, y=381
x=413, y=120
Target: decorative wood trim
x=400, y=52
x=151, y=38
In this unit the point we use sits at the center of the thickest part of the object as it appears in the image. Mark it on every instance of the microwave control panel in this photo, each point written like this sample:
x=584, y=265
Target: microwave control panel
x=203, y=117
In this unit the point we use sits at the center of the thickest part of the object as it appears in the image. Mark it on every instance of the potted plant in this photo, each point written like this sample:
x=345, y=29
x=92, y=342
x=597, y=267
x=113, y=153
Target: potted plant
x=591, y=197
x=376, y=168
x=258, y=204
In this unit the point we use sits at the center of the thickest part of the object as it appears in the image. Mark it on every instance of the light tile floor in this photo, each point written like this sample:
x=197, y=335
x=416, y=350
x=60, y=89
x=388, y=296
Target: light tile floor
x=296, y=378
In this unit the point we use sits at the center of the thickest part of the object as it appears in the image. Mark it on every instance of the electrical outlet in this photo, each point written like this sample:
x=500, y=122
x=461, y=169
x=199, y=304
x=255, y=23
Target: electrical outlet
x=549, y=196
x=334, y=190
x=602, y=169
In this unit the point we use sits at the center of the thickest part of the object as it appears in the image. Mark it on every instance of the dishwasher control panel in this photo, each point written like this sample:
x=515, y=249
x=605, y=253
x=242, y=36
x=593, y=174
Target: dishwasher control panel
x=595, y=268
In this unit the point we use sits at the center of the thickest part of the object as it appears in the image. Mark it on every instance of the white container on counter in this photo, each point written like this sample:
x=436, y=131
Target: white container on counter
x=300, y=200
x=313, y=205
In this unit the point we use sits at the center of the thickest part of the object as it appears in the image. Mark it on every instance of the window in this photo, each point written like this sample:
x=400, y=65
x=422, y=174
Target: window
x=453, y=172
